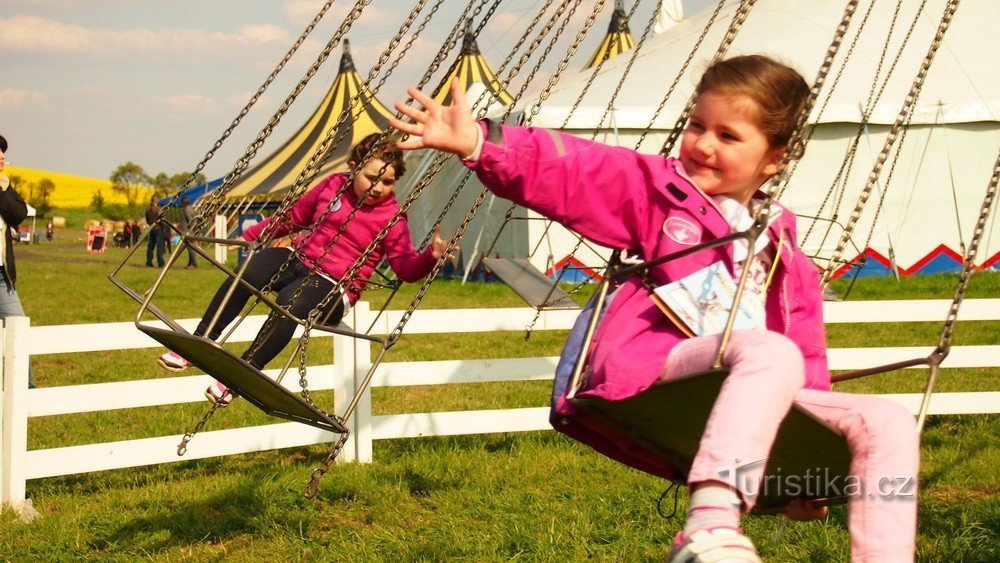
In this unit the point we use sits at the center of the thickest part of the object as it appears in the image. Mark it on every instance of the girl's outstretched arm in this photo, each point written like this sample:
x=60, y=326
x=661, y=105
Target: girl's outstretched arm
x=445, y=128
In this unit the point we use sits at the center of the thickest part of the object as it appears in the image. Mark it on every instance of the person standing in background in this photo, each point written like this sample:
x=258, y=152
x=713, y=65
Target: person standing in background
x=13, y=210
x=153, y=222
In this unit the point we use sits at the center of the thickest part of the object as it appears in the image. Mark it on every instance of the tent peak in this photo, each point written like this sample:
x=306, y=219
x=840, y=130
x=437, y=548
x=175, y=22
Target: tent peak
x=346, y=61
x=469, y=46
x=619, y=19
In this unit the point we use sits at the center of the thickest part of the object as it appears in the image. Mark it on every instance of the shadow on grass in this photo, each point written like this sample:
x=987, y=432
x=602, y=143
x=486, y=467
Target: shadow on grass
x=242, y=509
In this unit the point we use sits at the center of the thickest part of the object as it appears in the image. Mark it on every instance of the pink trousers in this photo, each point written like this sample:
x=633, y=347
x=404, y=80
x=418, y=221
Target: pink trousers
x=766, y=377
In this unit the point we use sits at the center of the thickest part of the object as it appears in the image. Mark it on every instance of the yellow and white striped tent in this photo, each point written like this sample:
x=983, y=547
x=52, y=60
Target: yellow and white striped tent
x=472, y=68
x=275, y=175
x=618, y=40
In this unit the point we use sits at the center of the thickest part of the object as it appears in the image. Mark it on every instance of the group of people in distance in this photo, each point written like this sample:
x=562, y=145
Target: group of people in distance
x=736, y=140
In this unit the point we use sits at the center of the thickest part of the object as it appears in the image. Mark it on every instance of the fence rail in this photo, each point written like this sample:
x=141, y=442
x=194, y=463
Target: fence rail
x=352, y=360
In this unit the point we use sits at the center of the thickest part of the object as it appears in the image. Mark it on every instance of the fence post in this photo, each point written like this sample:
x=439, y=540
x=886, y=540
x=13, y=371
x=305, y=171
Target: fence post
x=351, y=359
x=361, y=425
x=14, y=411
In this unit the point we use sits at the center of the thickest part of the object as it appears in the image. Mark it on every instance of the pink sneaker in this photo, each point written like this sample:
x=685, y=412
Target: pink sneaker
x=716, y=544
x=173, y=362
x=217, y=393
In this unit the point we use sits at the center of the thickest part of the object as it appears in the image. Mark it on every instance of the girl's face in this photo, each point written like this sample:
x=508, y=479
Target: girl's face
x=724, y=150
x=367, y=177
x=3, y=160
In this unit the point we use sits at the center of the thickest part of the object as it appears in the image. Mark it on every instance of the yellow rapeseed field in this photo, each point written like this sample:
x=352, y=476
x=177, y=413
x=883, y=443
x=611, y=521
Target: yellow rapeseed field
x=73, y=191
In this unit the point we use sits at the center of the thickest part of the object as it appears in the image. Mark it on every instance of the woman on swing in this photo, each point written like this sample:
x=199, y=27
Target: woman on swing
x=746, y=112
x=375, y=166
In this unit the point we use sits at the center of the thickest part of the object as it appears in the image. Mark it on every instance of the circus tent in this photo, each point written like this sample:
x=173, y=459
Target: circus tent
x=275, y=174
x=618, y=39
x=942, y=170
x=471, y=69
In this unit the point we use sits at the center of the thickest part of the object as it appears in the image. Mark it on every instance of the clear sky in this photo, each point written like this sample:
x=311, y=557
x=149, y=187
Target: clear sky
x=90, y=84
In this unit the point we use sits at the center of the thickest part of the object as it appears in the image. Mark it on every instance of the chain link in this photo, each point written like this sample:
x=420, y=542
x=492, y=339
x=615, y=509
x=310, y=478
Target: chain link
x=734, y=28
x=904, y=115
x=680, y=74
x=873, y=97
x=313, y=486
x=968, y=266
x=182, y=447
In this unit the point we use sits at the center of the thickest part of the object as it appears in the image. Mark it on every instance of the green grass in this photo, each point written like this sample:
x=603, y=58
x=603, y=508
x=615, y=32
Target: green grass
x=534, y=495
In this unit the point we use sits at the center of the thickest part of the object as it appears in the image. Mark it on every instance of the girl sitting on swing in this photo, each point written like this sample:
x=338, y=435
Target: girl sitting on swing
x=381, y=165
x=746, y=112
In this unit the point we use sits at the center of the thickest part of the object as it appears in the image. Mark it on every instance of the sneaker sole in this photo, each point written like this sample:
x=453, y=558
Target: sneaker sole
x=170, y=367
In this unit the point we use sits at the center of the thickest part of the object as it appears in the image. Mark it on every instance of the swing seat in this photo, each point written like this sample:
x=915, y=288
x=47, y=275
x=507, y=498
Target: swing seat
x=530, y=284
x=809, y=458
x=243, y=379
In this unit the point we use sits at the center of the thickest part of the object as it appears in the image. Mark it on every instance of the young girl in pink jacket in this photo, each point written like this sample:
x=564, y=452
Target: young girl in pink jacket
x=746, y=112
x=376, y=166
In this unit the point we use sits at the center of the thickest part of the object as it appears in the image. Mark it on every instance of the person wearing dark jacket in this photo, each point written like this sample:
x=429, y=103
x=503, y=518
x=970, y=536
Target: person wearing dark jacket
x=156, y=234
x=13, y=210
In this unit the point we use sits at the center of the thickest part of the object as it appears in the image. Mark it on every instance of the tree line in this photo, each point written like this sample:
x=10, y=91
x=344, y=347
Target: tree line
x=131, y=182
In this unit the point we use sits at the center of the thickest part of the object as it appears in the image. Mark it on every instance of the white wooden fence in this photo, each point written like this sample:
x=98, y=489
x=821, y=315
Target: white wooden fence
x=352, y=360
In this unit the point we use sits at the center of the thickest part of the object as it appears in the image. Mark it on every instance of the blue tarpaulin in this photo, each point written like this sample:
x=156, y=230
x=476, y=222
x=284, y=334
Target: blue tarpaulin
x=194, y=193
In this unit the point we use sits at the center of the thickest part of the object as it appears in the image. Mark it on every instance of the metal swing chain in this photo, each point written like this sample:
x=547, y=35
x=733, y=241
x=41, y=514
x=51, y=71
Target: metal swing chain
x=948, y=330
x=628, y=68
x=350, y=275
x=437, y=164
x=903, y=116
x=393, y=337
x=182, y=447
x=734, y=27
x=251, y=151
x=432, y=171
x=793, y=151
x=593, y=74
x=312, y=487
x=836, y=82
x=680, y=73
x=481, y=198
x=232, y=127
x=314, y=164
x=397, y=331
x=249, y=105
x=847, y=165
x=308, y=232
x=592, y=17
x=614, y=96
x=439, y=160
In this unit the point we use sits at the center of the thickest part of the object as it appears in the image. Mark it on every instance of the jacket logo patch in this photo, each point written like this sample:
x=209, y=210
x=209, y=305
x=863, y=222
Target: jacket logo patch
x=682, y=231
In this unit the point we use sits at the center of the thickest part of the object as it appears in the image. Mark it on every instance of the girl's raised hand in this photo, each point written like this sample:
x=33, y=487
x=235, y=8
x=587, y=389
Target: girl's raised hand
x=440, y=246
x=446, y=128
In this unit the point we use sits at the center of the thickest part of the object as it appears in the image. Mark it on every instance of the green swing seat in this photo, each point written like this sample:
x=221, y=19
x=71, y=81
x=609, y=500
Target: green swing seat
x=244, y=379
x=809, y=458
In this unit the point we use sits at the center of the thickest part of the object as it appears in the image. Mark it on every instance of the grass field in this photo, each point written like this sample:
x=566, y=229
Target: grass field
x=535, y=496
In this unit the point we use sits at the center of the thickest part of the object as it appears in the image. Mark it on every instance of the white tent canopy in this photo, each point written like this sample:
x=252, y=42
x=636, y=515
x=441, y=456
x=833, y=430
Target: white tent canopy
x=942, y=172
x=962, y=85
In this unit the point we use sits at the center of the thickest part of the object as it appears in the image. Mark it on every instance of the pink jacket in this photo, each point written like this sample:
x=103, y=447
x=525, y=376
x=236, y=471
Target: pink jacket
x=361, y=231
x=619, y=198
